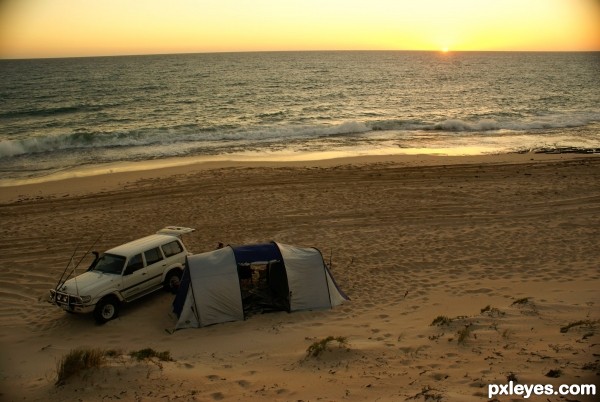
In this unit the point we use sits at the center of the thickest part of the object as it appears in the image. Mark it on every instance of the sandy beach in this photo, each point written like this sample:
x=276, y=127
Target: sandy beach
x=505, y=247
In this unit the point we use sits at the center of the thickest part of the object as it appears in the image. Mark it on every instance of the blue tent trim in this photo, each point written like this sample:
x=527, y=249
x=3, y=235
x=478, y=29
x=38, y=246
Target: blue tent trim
x=184, y=283
x=251, y=253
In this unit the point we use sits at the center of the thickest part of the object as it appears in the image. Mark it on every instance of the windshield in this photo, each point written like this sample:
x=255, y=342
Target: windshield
x=110, y=264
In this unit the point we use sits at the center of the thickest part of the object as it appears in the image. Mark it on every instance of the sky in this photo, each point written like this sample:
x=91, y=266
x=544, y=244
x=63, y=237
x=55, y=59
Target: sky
x=73, y=28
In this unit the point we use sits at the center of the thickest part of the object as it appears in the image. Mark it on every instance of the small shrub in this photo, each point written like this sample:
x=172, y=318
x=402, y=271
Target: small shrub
x=112, y=353
x=593, y=366
x=523, y=300
x=317, y=348
x=491, y=311
x=441, y=320
x=588, y=323
x=428, y=394
x=554, y=373
x=507, y=333
x=464, y=334
x=77, y=360
x=148, y=353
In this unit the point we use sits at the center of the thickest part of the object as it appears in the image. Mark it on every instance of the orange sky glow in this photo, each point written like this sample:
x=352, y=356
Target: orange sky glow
x=67, y=28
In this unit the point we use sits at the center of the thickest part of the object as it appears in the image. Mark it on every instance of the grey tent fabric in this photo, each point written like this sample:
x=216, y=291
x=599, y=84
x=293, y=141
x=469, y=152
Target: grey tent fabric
x=214, y=295
x=307, y=278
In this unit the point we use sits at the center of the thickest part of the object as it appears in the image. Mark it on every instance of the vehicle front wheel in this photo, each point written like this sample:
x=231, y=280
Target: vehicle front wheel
x=106, y=309
x=172, y=281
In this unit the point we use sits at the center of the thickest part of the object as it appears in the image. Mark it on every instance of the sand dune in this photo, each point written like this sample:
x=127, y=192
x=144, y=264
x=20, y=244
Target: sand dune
x=506, y=249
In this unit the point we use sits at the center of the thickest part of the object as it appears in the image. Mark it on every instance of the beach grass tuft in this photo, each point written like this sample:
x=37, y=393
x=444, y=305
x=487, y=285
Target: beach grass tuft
x=523, y=300
x=491, y=311
x=149, y=353
x=441, y=320
x=81, y=359
x=318, y=347
x=580, y=323
x=78, y=360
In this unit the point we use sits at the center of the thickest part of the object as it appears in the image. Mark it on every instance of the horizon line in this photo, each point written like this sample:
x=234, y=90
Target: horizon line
x=295, y=51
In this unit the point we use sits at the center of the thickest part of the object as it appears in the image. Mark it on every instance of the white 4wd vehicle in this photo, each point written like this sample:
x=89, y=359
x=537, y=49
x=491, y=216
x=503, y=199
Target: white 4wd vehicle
x=125, y=273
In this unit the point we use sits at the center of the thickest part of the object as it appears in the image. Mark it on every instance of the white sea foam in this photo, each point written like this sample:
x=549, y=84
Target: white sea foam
x=11, y=148
x=267, y=135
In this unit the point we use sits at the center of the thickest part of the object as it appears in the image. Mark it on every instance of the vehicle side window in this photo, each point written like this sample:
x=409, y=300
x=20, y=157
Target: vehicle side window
x=153, y=255
x=135, y=263
x=172, y=248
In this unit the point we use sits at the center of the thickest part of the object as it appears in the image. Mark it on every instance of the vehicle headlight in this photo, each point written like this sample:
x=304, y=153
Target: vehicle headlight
x=86, y=299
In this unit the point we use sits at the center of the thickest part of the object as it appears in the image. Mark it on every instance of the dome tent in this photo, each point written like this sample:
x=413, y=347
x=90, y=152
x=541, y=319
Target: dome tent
x=228, y=283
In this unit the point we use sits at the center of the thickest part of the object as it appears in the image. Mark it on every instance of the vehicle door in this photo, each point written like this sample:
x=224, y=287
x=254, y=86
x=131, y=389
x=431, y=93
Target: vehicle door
x=155, y=266
x=134, y=276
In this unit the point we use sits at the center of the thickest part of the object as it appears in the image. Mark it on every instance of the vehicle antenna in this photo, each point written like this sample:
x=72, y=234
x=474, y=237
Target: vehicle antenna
x=82, y=257
x=67, y=266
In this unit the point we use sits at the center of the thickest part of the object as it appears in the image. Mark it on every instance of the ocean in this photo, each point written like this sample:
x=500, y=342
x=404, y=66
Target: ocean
x=62, y=116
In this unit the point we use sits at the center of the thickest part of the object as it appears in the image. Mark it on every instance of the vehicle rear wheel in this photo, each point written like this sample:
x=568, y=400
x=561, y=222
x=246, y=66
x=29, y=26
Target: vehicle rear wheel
x=107, y=309
x=172, y=281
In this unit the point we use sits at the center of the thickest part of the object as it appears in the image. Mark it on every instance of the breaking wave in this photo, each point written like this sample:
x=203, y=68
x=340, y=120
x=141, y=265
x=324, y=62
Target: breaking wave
x=215, y=137
x=168, y=136
x=482, y=125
